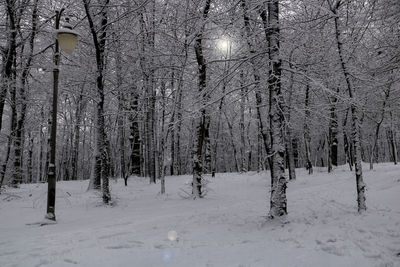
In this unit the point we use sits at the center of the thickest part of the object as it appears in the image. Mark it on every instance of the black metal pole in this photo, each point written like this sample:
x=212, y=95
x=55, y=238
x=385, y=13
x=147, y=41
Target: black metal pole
x=51, y=176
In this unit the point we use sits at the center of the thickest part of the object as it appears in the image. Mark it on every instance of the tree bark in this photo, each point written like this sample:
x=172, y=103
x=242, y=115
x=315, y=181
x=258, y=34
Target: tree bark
x=243, y=167
x=8, y=71
x=332, y=135
x=232, y=139
x=289, y=139
x=307, y=136
x=354, y=116
x=392, y=140
x=80, y=106
x=374, y=147
x=278, y=202
x=134, y=137
x=256, y=74
x=102, y=164
x=204, y=120
x=19, y=131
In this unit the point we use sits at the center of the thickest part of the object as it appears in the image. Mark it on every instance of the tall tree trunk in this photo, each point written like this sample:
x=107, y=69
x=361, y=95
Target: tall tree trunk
x=134, y=137
x=162, y=139
x=8, y=71
x=9, y=81
x=257, y=80
x=288, y=128
x=278, y=202
x=121, y=110
x=41, y=144
x=307, y=136
x=102, y=165
x=374, y=147
x=148, y=70
x=295, y=145
x=243, y=92
x=80, y=106
x=204, y=120
x=30, y=159
x=232, y=139
x=19, y=131
x=392, y=140
x=354, y=116
x=348, y=147
x=332, y=135
x=171, y=126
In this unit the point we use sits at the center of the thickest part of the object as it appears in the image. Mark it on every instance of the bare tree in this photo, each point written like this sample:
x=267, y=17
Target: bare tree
x=203, y=121
x=278, y=202
x=102, y=160
x=334, y=6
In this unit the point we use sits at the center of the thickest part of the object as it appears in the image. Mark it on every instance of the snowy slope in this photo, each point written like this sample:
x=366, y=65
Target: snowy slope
x=227, y=228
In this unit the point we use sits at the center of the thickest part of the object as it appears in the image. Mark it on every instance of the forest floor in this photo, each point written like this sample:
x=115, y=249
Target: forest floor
x=226, y=228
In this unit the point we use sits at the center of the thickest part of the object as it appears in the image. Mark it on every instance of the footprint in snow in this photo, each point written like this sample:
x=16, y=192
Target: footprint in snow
x=113, y=235
x=70, y=261
x=133, y=244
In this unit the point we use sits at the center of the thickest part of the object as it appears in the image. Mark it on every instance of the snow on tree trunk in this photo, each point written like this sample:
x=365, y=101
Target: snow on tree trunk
x=121, y=108
x=390, y=133
x=134, y=137
x=289, y=138
x=354, y=116
x=102, y=158
x=374, y=152
x=256, y=73
x=204, y=121
x=278, y=202
x=333, y=133
x=307, y=136
x=243, y=92
x=9, y=57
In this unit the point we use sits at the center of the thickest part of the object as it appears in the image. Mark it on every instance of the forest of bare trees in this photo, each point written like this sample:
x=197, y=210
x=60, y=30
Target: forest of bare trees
x=172, y=87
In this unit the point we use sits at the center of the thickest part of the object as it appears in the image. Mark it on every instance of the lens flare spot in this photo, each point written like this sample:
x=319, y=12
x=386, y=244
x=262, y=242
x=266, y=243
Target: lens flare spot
x=166, y=255
x=172, y=235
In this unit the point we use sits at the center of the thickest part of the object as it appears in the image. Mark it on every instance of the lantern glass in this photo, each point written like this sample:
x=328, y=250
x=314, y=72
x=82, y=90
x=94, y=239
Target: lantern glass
x=67, y=41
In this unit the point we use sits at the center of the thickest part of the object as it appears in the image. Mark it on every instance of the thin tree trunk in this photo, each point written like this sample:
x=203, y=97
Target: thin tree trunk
x=347, y=143
x=355, y=120
x=392, y=140
x=30, y=159
x=243, y=167
x=18, y=141
x=307, y=136
x=4, y=166
x=289, y=139
x=232, y=139
x=9, y=82
x=374, y=148
x=8, y=72
x=332, y=136
x=162, y=139
x=134, y=137
x=121, y=111
x=256, y=74
x=295, y=145
x=80, y=106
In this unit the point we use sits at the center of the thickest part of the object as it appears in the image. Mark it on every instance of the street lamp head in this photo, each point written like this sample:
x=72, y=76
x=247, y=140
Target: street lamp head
x=67, y=37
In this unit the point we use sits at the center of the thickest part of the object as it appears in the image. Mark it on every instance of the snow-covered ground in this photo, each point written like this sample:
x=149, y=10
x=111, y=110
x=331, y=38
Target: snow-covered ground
x=227, y=228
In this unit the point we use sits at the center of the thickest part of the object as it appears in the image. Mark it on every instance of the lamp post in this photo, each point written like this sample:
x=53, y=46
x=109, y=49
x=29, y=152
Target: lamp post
x=66, y=39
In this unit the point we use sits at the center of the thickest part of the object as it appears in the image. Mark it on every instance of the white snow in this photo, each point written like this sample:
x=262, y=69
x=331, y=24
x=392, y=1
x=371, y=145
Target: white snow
x=227, y=228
